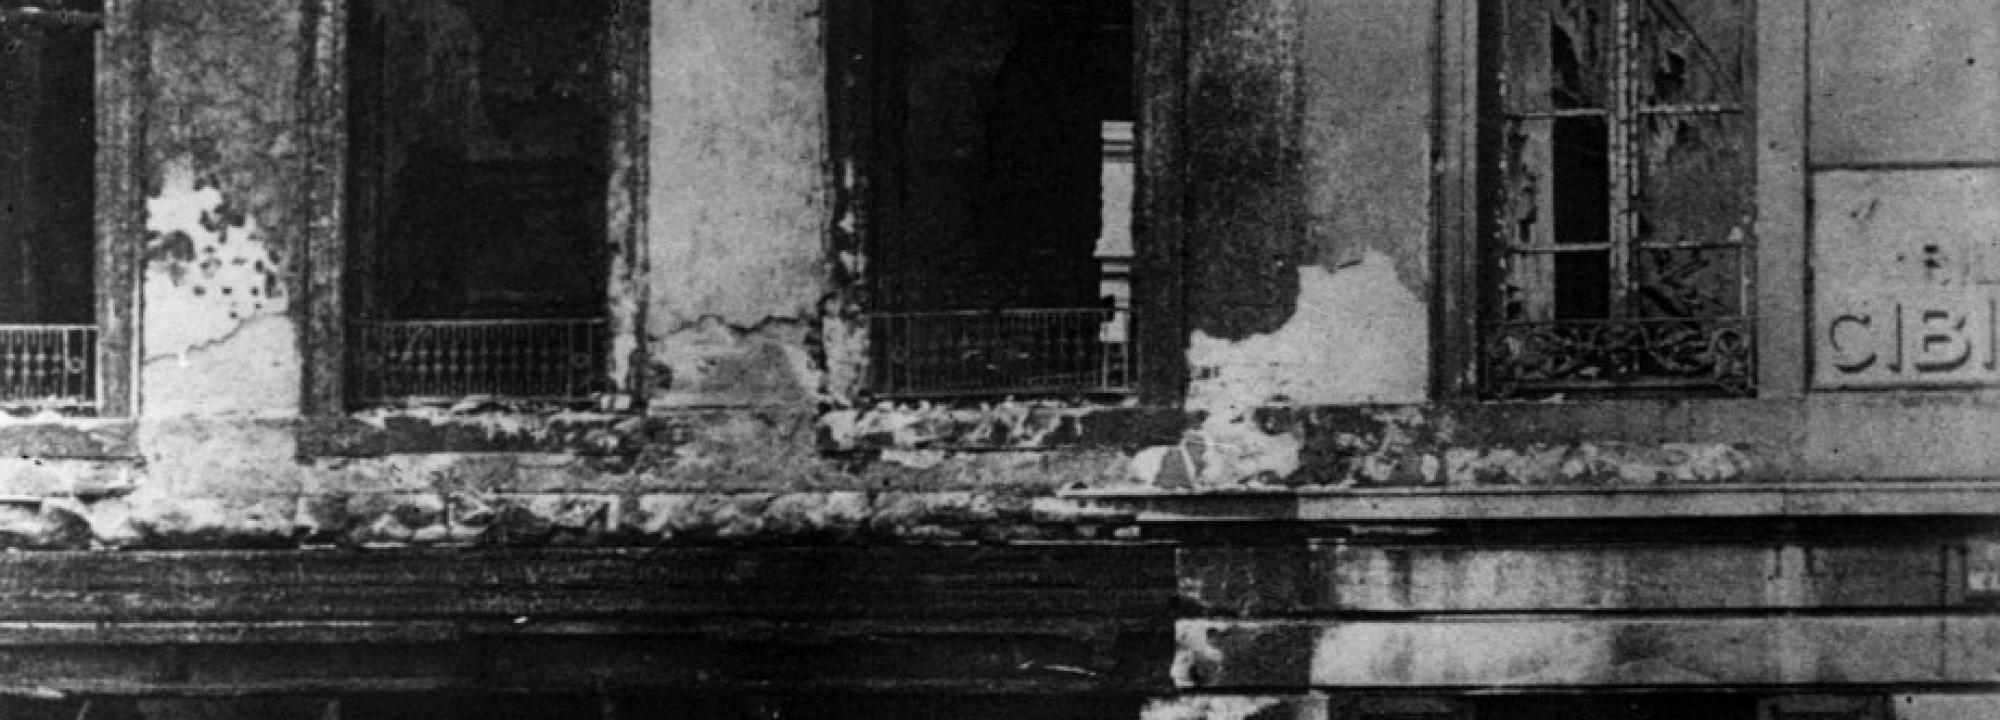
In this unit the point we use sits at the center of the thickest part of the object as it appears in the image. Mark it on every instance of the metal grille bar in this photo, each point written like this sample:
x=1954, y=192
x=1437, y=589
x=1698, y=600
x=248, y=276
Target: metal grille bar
x=1012, y=351
x=1525, y=358
x=48, y=366
x=448, y=360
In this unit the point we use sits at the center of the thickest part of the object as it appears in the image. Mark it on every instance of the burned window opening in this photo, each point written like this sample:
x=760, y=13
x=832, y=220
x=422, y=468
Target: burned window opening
x=1003, y=252
x=1666, y=706
x=1620, y=227
x=479, y=156
x=48, y=206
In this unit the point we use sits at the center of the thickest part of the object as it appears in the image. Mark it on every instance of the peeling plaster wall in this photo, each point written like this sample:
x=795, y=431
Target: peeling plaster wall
x=738, y=147
x=1311, y=218
x=222, y=182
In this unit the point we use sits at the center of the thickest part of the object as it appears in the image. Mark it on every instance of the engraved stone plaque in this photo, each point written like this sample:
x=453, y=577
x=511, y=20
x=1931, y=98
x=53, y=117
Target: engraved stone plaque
x=1906, y=278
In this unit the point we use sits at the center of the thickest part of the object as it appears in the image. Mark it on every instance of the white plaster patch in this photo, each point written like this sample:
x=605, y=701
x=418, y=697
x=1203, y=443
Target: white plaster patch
x=195, y=303
x=1946, y=707
x=914, y=459
x=1146, y=464
x=1554, y=653
x=1358, y=336
x=845, y=344
x=209, y=283
x=1221, y=707
x=714, y=363
x=257, y=374
x=624, y=306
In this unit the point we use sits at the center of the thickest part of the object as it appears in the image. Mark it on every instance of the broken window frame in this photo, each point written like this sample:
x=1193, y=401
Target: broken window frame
x=862, y=69
x=342, y=332
x=1526, y=347
x=96, y=358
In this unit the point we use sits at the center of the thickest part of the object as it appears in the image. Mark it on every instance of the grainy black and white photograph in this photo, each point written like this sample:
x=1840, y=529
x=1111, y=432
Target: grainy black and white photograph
x=1000, y=359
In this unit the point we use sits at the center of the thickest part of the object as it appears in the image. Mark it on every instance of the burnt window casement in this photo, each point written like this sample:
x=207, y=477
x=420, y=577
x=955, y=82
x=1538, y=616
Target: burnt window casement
x=1712, y=705
x=49, y=206
x=479, y=147
x=1617, y=168
x=1002, y=170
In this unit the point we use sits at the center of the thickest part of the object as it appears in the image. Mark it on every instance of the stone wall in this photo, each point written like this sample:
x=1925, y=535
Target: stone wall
x=1310, y=304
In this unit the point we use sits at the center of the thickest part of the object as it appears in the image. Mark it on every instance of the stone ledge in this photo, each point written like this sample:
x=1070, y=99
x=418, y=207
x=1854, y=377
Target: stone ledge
x=1736, y=500
x=81, y=438
x=1523, y=652
x=399, y=519
x=438, y=594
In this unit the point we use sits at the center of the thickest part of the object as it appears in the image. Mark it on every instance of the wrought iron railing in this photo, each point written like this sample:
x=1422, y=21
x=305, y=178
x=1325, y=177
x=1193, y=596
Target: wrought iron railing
x=1530, y=358
x=1002, y=352
x=48, y=366
x=401, y=361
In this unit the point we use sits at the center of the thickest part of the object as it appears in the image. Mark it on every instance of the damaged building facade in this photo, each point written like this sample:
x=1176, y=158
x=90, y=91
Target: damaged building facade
x=1219, y=359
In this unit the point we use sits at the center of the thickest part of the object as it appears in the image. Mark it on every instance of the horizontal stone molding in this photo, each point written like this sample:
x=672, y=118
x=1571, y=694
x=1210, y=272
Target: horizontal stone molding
x=238, y=596
x=1331, y=578
x=1732, y=500
x=1526, y=652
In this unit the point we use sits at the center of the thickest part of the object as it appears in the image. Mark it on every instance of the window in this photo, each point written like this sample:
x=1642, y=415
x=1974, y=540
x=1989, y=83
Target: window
x=479, y=154
x=1678, y=706
x=1001, y=250
x=48, y=208
x=1618, y=171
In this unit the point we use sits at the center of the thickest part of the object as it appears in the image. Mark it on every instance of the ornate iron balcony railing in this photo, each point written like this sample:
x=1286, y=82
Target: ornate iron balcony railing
x=48, y=366
x=1011, y=351
x=1525, y=359
x=418, y=361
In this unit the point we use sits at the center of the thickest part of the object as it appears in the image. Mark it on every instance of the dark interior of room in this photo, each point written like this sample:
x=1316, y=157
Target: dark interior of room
x=994, y=150
x=478, y=133
x=47, y=171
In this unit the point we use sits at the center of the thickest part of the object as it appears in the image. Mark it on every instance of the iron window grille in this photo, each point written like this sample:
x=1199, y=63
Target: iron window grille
x=443, y=361
x=1009, y=351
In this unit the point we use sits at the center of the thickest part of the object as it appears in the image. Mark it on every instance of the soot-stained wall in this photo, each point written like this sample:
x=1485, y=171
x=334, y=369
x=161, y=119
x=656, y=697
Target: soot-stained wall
x=1309, y=211
x=1308, y=162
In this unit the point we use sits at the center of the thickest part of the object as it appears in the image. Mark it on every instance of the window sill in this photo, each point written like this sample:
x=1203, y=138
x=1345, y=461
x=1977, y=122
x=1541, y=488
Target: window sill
x=1039, y=425
x=68, y=438
x=377, y=433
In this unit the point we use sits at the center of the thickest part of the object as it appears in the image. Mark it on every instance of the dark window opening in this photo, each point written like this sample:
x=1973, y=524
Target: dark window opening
x=1678, y=706
x=1619, y=221
x=48, y=185
x=478, y=157
x=1001, y=261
